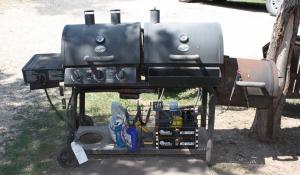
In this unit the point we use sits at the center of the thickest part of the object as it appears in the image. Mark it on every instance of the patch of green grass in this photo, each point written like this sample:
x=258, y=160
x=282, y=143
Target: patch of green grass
x=99, y=104
x=35, y=148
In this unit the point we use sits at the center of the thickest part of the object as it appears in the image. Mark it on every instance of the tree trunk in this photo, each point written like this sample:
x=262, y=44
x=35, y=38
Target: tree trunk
x=267, y=121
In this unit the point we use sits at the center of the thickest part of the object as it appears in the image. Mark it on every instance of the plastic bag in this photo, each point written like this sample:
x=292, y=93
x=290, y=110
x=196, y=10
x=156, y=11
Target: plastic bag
x=119, y=130
x=118, y=118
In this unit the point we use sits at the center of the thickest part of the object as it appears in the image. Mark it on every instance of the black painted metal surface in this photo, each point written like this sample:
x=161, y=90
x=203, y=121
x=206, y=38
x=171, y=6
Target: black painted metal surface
x=181, y=44
x=101, y=44
x=44, y=71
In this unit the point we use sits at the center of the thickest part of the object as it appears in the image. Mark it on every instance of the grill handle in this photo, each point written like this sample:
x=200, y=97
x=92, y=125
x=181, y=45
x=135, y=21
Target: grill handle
x=99, y=58
x=251, y=84
x=184, y=57
x=254, y=84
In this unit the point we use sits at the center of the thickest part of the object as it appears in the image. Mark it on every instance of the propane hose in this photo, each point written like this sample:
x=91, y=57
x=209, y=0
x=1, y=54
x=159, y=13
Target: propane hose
x=53, y=107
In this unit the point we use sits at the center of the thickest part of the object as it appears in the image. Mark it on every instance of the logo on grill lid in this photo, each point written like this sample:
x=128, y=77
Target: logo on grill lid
x=183, y=47
x=100, y=49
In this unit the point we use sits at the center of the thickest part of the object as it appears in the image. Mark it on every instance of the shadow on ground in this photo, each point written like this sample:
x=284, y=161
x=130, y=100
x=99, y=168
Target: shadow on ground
x=241, y=147
x=31, y=142
x=291, y=110
x=141, y=166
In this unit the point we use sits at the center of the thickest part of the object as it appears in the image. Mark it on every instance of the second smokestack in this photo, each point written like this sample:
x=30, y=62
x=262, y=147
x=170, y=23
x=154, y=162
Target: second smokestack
x=115, y=16
x=154, y=16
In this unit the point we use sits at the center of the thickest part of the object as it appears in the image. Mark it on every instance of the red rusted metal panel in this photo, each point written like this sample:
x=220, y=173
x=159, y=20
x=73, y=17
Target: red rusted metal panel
x=252, y=71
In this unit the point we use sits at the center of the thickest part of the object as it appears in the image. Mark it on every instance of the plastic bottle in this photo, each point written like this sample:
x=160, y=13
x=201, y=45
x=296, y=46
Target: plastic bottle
x=119, y=142
x=132, y=131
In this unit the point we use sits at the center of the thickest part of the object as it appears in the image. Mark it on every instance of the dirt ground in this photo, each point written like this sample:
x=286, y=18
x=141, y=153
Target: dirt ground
x=34, y=26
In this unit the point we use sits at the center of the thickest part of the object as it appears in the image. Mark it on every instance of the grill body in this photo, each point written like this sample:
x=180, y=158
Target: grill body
x=183, y=54
x=183, y=44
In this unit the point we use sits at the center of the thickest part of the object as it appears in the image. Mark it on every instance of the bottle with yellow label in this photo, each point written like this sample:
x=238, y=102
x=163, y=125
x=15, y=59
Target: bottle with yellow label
x=177, y=122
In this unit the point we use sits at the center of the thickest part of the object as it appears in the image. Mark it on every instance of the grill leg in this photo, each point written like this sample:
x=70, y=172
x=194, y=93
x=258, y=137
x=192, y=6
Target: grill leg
x=71, y=119
x=83, y=120
x=211, y=126
x=204, y=108
x=81, y=104
x=66, y=157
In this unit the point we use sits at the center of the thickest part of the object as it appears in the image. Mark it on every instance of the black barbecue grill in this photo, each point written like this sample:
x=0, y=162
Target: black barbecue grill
x=119, y=54
x=125, y=58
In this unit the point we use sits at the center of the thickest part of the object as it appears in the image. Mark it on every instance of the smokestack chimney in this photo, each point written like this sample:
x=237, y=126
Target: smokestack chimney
x=154, y=16
x=115, y=16
x=89, y=17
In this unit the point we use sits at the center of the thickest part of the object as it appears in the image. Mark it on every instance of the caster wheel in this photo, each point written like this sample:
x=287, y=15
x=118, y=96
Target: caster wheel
x=86, y=121
x=67, y=159
x=208, y=155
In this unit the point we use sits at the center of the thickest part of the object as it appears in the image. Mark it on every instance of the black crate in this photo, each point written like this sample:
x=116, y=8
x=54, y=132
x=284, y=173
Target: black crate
x=183, y=135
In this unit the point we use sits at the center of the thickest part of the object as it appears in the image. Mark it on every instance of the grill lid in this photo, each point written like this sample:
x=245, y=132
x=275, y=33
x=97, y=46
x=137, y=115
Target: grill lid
x=178, y=43
x=101, y=44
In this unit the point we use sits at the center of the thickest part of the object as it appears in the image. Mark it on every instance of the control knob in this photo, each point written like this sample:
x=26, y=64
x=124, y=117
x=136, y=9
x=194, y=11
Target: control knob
x=121, y=75
x=99, y=75
x=76, y=76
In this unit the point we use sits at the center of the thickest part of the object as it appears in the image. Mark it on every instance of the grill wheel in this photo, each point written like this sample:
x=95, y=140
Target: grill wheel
x=67, y=159
x=86, y=121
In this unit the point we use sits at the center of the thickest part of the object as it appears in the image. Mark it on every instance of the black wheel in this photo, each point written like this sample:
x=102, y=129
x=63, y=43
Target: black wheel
x=67, y=159
x=273, y=6
x=208, y=155
x=86, y=121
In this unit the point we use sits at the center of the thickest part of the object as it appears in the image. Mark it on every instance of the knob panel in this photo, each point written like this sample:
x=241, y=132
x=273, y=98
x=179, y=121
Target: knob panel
x=100, y=76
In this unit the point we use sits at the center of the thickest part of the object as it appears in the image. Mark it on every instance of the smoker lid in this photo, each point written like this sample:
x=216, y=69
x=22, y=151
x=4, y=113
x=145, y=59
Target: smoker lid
x=177, y=43
x=101, y=44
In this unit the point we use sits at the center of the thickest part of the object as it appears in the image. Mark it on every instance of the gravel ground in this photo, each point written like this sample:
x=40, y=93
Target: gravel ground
x=35, y=26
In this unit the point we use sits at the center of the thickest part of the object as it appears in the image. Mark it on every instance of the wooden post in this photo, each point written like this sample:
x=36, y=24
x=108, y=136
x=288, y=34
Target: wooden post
x=267, y=121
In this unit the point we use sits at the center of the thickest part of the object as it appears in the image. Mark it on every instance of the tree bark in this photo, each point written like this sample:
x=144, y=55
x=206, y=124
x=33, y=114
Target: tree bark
x=267, y=121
